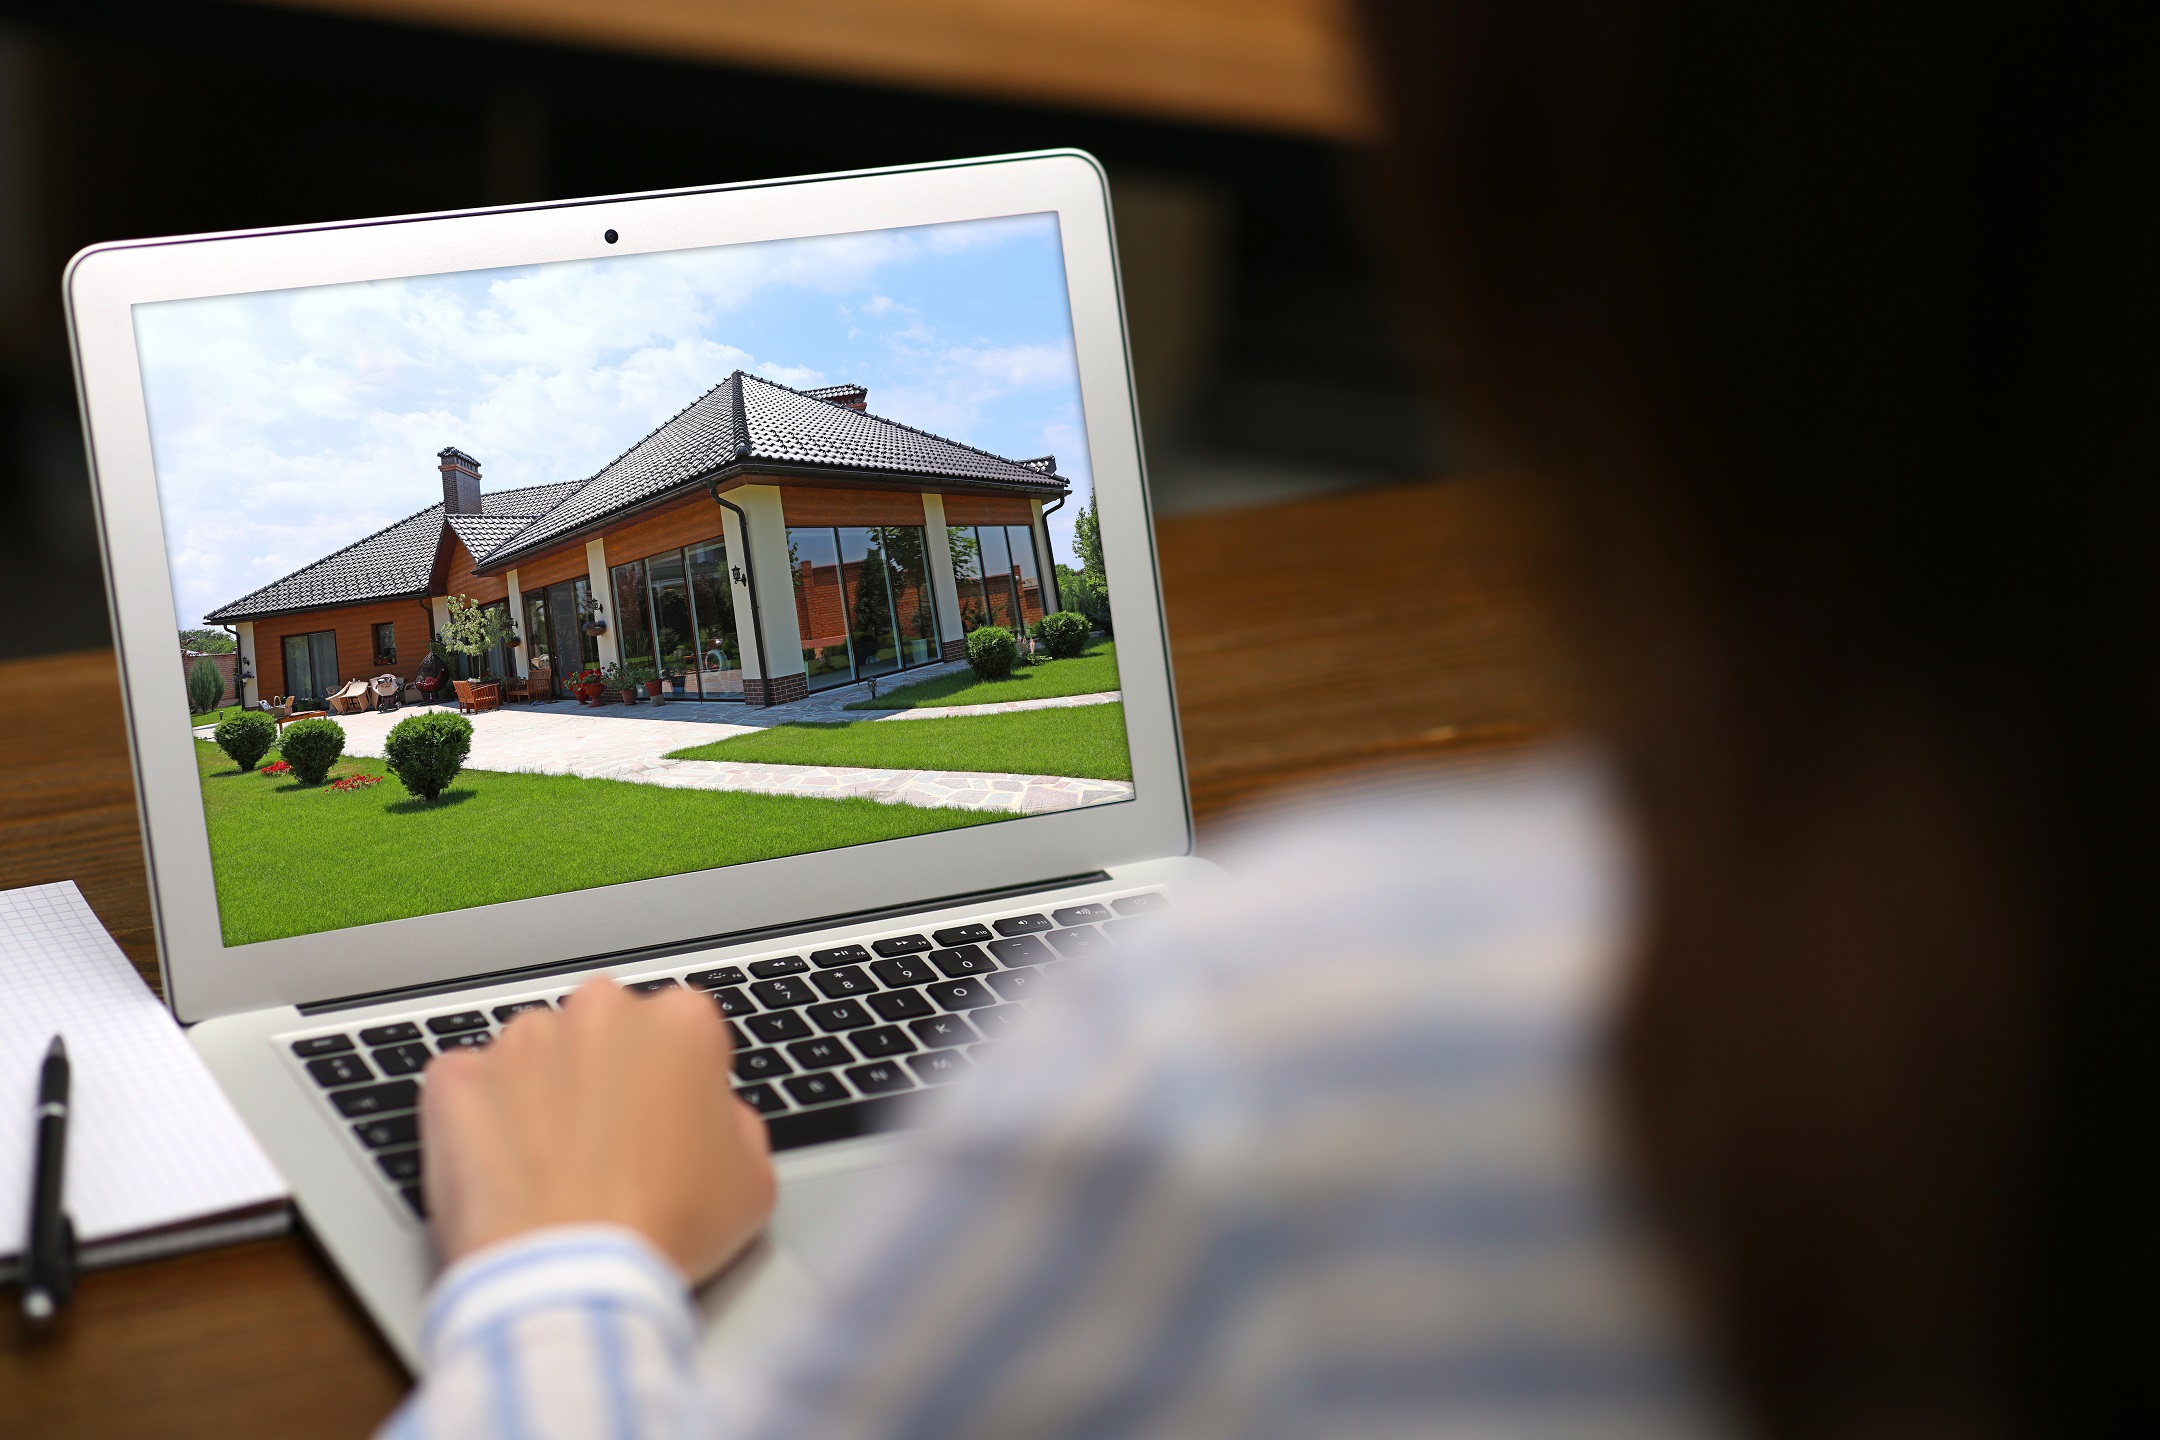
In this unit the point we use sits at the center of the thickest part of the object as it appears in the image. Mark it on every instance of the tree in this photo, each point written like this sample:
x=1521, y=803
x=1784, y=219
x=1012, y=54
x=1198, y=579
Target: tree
x=1087, y=540
x=206, y=642
x=474, y=629
x=205, y=686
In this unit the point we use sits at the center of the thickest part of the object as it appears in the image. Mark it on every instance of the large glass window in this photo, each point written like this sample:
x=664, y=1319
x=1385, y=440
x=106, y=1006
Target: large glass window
x=1020, y=540
x=914, y=612
x=820, y=608
x=997, y=575
x=713, y=601
x=311, y=671
x=968, y=575
x=539, y=640
x=869, y=598
x=674, y=630
x=862, y=598
x=633, y=612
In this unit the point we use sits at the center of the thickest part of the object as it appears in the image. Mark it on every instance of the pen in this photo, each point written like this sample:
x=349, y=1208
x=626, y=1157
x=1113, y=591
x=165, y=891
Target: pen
x=48, y=1264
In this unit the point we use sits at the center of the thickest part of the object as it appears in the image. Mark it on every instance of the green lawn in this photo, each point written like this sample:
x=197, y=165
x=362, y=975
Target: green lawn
x=212, y=717
x=1088, y=673
x=1086, y=740
x=293, y=860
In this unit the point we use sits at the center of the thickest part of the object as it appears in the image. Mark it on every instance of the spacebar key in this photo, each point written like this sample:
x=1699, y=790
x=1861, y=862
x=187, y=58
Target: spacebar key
x=376, y=1099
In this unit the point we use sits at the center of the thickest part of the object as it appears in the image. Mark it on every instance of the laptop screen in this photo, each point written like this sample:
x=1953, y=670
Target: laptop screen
x=514, y=582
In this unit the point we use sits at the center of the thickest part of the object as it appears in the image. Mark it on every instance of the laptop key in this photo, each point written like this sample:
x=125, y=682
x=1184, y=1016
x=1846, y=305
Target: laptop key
x=409, y=1059
x=1014, y=984
x=470, y=1040
x=416, y=1198
x=761, y=1098
x=519, y=1007
x=736, y=1039
x=899, y=1004
x=1022, y=950
x=840, y=955
x=840, y=1015
x=779, y=994
x=998, y=1021
x=714, y=979
x=822, y=1053
x=733, y=1002
x=772, y=1029
x=321, y=1045
x=815, y=1089
x=965, y=960
x=942, y=1030
x=453, y=1024
x=1141, y=904
x=903, y=972
x=1083, y=942
x=376, y=1099
x=392, y=1130
x=881, y=1078
x=884, y=1040
x=396, y=1034
x=760, y=1065
x=653, y=987
x=400, y=1164
x=340, y=1070
x=964, y=935
x=774, y=969
x=1021, y=924
x=939, y=1067
x=1081, y=914
x=893, y=945
x=843, y=982
x=961, y=994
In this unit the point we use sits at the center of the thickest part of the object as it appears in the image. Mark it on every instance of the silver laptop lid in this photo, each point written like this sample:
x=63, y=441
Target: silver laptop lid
x=761, y=448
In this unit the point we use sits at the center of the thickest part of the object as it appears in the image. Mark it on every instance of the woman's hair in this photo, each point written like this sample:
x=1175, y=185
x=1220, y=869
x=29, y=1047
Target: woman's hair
x=1829, y=335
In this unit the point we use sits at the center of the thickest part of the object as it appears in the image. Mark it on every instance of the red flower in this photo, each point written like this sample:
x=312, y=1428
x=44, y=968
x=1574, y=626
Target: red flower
x=356, y=782
x=280, y=768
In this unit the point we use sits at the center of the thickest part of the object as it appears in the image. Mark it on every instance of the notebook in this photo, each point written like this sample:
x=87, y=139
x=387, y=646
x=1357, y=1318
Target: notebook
x=158, y=1161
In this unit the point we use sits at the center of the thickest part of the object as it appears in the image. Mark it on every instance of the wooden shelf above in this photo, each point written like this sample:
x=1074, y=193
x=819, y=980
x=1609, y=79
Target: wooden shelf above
x=1284, y=65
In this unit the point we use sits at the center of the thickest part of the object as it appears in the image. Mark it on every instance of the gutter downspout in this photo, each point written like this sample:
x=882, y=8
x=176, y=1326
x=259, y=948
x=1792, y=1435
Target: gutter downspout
x=1048, y=511
x=757, y=614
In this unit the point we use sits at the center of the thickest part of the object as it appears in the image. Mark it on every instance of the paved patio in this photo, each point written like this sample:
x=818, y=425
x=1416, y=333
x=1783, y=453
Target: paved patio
x=615, y=742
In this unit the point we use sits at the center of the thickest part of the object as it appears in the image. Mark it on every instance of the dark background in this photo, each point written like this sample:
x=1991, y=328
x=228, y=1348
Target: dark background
x=1264, y=366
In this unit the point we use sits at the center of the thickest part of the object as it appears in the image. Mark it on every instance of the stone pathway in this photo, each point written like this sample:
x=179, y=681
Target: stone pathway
x=614, y=743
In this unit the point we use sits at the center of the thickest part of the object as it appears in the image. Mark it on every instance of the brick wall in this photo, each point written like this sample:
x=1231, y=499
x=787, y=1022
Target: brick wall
x=223, y=662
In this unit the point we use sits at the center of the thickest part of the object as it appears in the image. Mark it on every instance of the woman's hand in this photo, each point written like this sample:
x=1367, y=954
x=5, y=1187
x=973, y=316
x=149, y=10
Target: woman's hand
x=613, y=1109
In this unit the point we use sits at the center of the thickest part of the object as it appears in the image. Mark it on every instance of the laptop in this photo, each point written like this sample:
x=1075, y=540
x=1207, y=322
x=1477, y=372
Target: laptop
x=746, y=588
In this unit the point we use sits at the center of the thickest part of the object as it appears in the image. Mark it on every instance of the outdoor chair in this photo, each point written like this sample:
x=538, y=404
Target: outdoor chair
x=531, y=688
x=387, y=688
x=472, y=698
x=351, y=697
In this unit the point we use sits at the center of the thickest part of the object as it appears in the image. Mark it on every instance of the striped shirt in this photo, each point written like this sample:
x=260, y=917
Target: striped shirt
x=1323, y=1159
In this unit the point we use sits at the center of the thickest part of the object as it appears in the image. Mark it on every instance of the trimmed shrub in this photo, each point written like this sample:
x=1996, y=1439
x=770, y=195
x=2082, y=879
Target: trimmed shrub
x=311, y=747
x=1064, y=634
x=992, y=652
x=426, y=752
x=246, y=737
x=205, y=686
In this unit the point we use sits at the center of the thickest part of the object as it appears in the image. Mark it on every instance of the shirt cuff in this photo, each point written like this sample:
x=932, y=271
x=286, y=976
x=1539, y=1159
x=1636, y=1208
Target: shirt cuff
x=556, y=1266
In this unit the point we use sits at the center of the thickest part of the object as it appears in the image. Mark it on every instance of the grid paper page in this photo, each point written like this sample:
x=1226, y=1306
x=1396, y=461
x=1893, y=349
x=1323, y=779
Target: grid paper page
x=151, y=1139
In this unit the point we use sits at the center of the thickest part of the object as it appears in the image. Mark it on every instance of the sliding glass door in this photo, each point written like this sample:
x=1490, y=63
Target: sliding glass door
x=311, y=670
x=677, y=613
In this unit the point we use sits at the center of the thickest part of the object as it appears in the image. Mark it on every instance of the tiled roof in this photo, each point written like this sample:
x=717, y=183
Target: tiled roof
x=482, y=533
x=743, y=420
x=392, y=562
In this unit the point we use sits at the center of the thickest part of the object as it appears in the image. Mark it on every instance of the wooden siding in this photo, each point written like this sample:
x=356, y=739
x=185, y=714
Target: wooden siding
x=354, y=625
x=551, y=566
x=988, y=510
x=683, y=521
x=810, y=505
x=462, y=580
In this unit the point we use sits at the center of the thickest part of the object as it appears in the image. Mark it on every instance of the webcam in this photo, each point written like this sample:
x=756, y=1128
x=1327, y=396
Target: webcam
x=611, y=237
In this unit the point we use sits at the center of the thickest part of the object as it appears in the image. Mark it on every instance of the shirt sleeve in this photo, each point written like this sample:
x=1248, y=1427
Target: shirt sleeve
x=570, y=1331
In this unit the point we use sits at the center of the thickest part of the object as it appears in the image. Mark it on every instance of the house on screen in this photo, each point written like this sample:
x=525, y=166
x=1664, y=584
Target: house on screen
x=762, y=544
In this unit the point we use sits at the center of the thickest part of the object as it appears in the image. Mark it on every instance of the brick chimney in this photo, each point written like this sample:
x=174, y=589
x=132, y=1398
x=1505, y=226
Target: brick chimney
x=847, y=397
x=460, y=482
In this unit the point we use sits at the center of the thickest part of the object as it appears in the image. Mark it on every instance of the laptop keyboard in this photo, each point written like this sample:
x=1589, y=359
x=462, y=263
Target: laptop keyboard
x=827, y=1043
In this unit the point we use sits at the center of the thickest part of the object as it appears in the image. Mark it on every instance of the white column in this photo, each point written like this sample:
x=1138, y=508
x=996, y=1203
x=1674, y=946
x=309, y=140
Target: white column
x=439, y=607
x=517, y=618
x=1045, y=562
x=943, y=588
x=738, y=548
x=767, y=548
x=596, y=572
x=246, y=661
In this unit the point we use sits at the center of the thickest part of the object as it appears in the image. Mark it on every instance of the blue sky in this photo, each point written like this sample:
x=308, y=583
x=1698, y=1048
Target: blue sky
x=289, y=423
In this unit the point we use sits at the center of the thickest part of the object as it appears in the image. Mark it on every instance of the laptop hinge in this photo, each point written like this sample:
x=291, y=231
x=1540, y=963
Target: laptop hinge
x=704, y=942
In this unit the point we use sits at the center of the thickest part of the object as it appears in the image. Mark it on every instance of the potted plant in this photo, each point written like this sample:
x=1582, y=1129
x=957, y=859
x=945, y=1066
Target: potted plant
x=642, y=674
x=591, y=617
x=587, y=685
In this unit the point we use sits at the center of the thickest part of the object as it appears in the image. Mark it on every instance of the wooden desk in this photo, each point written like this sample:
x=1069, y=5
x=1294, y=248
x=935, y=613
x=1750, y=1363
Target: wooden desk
x=1405, y=635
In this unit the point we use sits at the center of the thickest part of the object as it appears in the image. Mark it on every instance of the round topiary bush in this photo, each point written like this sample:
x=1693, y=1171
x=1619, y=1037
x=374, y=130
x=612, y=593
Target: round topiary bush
x=426, y=752
x=246, y=737
x=1064, y=634
x=311, y=747
x=992, y=651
